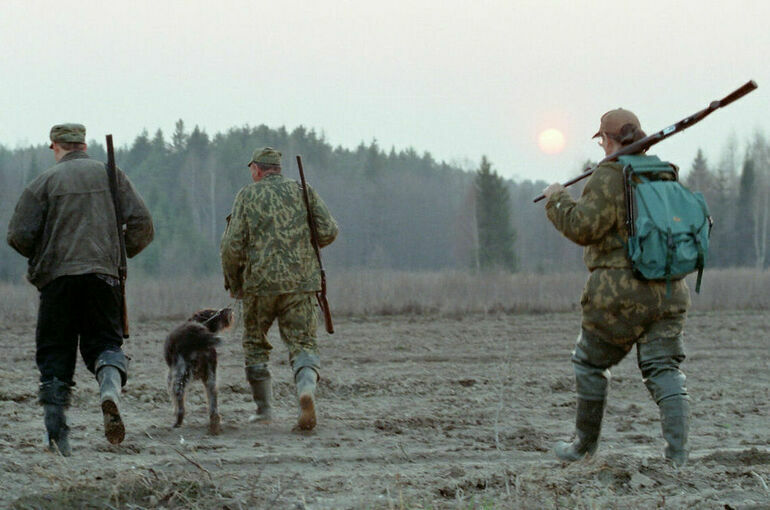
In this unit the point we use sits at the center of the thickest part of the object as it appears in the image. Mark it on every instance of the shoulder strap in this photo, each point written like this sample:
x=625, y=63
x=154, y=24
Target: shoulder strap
x=643, y=164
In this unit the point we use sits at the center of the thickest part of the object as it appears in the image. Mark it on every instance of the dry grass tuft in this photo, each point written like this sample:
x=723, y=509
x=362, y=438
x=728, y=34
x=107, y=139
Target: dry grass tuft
x=458, y=293
x=446, y=293
x=135, y=490
x=451, y=292
x=174, y=298
x=18, y=303
x=732, y=289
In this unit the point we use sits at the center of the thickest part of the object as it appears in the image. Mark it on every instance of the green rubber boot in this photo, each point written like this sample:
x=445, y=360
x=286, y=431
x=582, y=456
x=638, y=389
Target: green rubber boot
x=588, y=425
x=306, y=382
x=109, y=395
x=261, y=384
x=55, y=397
x=659, y=360
x=675, y=424
x=111, y=371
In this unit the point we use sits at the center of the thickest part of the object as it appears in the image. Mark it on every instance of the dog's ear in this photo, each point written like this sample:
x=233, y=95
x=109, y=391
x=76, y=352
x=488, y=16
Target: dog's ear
x=203, y=315
x=227, y=316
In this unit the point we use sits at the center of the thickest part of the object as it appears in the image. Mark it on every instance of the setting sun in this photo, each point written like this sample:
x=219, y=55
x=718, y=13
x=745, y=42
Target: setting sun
x=551, y=141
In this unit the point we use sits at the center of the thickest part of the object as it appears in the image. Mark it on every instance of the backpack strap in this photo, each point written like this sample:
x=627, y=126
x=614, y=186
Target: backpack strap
x=669, y=261
x=701, y=259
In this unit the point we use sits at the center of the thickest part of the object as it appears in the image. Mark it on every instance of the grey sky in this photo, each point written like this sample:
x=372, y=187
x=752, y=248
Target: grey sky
x=457, y=79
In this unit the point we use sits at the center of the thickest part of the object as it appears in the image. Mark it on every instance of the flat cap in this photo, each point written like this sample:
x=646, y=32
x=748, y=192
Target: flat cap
x=614, y=120
x=266, y=156
x=73, y=133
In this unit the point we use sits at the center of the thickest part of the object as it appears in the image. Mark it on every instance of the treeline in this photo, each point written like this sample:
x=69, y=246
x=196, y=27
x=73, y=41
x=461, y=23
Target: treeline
x=396, y=209
x=737, y=190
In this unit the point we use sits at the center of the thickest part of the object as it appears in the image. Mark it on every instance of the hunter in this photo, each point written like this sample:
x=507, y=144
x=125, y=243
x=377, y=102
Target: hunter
x=620, y=310
x=64, y=223
x=269, y=262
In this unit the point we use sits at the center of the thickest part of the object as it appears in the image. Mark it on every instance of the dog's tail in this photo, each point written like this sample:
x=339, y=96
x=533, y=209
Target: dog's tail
x=188, y=338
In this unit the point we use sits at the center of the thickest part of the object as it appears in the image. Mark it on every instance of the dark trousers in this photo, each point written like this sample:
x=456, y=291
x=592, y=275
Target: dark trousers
x=84, y=308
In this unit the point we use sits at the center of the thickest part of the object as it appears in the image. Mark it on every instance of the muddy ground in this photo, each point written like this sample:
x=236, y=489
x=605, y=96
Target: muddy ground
x=415, y=412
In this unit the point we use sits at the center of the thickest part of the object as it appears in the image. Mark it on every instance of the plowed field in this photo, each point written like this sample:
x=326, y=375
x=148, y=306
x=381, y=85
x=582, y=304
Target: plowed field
x=414, y=412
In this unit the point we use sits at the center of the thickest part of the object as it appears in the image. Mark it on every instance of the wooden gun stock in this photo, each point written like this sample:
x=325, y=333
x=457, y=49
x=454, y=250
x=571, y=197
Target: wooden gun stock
x=323, y=304
x=648, y=141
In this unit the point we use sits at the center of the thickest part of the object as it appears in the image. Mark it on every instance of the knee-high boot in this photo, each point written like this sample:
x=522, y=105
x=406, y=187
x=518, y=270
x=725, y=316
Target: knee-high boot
x=306, y=381
x=659, y=361
x=591, y=359
x=261, y=384
x=55, y=397
x=306, y=368
x=111, y=374
x=675, y=425
x=588, y=425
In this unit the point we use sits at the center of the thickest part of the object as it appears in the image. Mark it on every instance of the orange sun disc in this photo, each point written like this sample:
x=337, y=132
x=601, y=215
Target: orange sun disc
x=551, y=141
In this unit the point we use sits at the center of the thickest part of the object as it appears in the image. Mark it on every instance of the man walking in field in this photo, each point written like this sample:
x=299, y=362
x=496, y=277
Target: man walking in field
x=269, y=262
x=620, y=310
x=64, y=223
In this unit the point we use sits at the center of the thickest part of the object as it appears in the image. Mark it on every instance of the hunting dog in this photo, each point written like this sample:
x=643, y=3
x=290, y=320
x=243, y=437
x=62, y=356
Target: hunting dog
x=191, y=353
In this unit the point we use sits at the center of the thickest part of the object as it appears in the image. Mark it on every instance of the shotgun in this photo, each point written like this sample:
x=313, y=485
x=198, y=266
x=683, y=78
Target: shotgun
x=112, y=175
x=320, y=296
x=648, y=141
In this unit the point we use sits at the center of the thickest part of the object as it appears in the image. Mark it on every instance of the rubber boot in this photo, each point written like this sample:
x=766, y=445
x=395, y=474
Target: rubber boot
x=57, y=429
x=262, y=390
x=659, y=361
x=55, y=398
x=111, y=371
x=588, y=425
x=675, y=424
x=306, y=381
x=109, y=390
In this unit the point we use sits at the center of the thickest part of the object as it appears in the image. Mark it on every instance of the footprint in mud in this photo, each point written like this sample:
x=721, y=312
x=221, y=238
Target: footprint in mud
x=613, y=476
x=17, y=397
x=526, y=439
x=738, y=458
x=398, y=425
x=125, y=448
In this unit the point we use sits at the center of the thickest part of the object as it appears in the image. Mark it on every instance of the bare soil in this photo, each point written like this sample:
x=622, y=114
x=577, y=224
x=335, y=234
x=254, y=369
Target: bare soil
x=414, y=412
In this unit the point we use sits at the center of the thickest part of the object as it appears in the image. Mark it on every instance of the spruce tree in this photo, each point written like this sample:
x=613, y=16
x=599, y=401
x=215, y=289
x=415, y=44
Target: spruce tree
x=700, y=177
x=744, y=220
x=493, y=220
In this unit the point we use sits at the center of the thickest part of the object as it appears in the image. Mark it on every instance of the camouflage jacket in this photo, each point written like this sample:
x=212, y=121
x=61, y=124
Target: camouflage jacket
x=266, y=247
x=617, y=307
x=64, y=222
x=597, y=219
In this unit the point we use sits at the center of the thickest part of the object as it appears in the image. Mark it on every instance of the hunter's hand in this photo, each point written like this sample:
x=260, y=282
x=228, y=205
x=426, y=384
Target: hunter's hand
x=553, y=188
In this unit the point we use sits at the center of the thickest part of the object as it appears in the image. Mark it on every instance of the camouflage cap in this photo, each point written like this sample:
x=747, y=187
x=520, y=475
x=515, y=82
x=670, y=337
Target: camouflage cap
x=266, y=156
x=614, y=120
x=73, y=133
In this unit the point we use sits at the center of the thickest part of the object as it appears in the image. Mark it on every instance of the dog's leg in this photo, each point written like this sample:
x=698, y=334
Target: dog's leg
x=210, y=382
x=178, y=377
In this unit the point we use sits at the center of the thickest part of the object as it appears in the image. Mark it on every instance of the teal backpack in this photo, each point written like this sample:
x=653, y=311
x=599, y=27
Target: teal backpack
x=668, y=225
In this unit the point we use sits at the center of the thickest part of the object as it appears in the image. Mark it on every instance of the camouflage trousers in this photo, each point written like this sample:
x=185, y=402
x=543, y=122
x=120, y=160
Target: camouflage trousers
x=623, y=310
x=658, y=360
x=297, y=323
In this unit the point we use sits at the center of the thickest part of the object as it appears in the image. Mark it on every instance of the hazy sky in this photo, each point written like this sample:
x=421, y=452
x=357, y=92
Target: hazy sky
x=457, y=79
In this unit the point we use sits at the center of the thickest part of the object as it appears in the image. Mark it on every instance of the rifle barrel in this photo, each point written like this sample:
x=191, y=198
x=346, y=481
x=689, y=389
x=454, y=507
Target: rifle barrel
x=112, y=175
x=648, y=141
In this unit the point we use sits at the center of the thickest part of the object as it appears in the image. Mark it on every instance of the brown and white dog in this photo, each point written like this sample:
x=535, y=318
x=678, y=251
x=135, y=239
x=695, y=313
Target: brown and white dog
x=191, y=353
